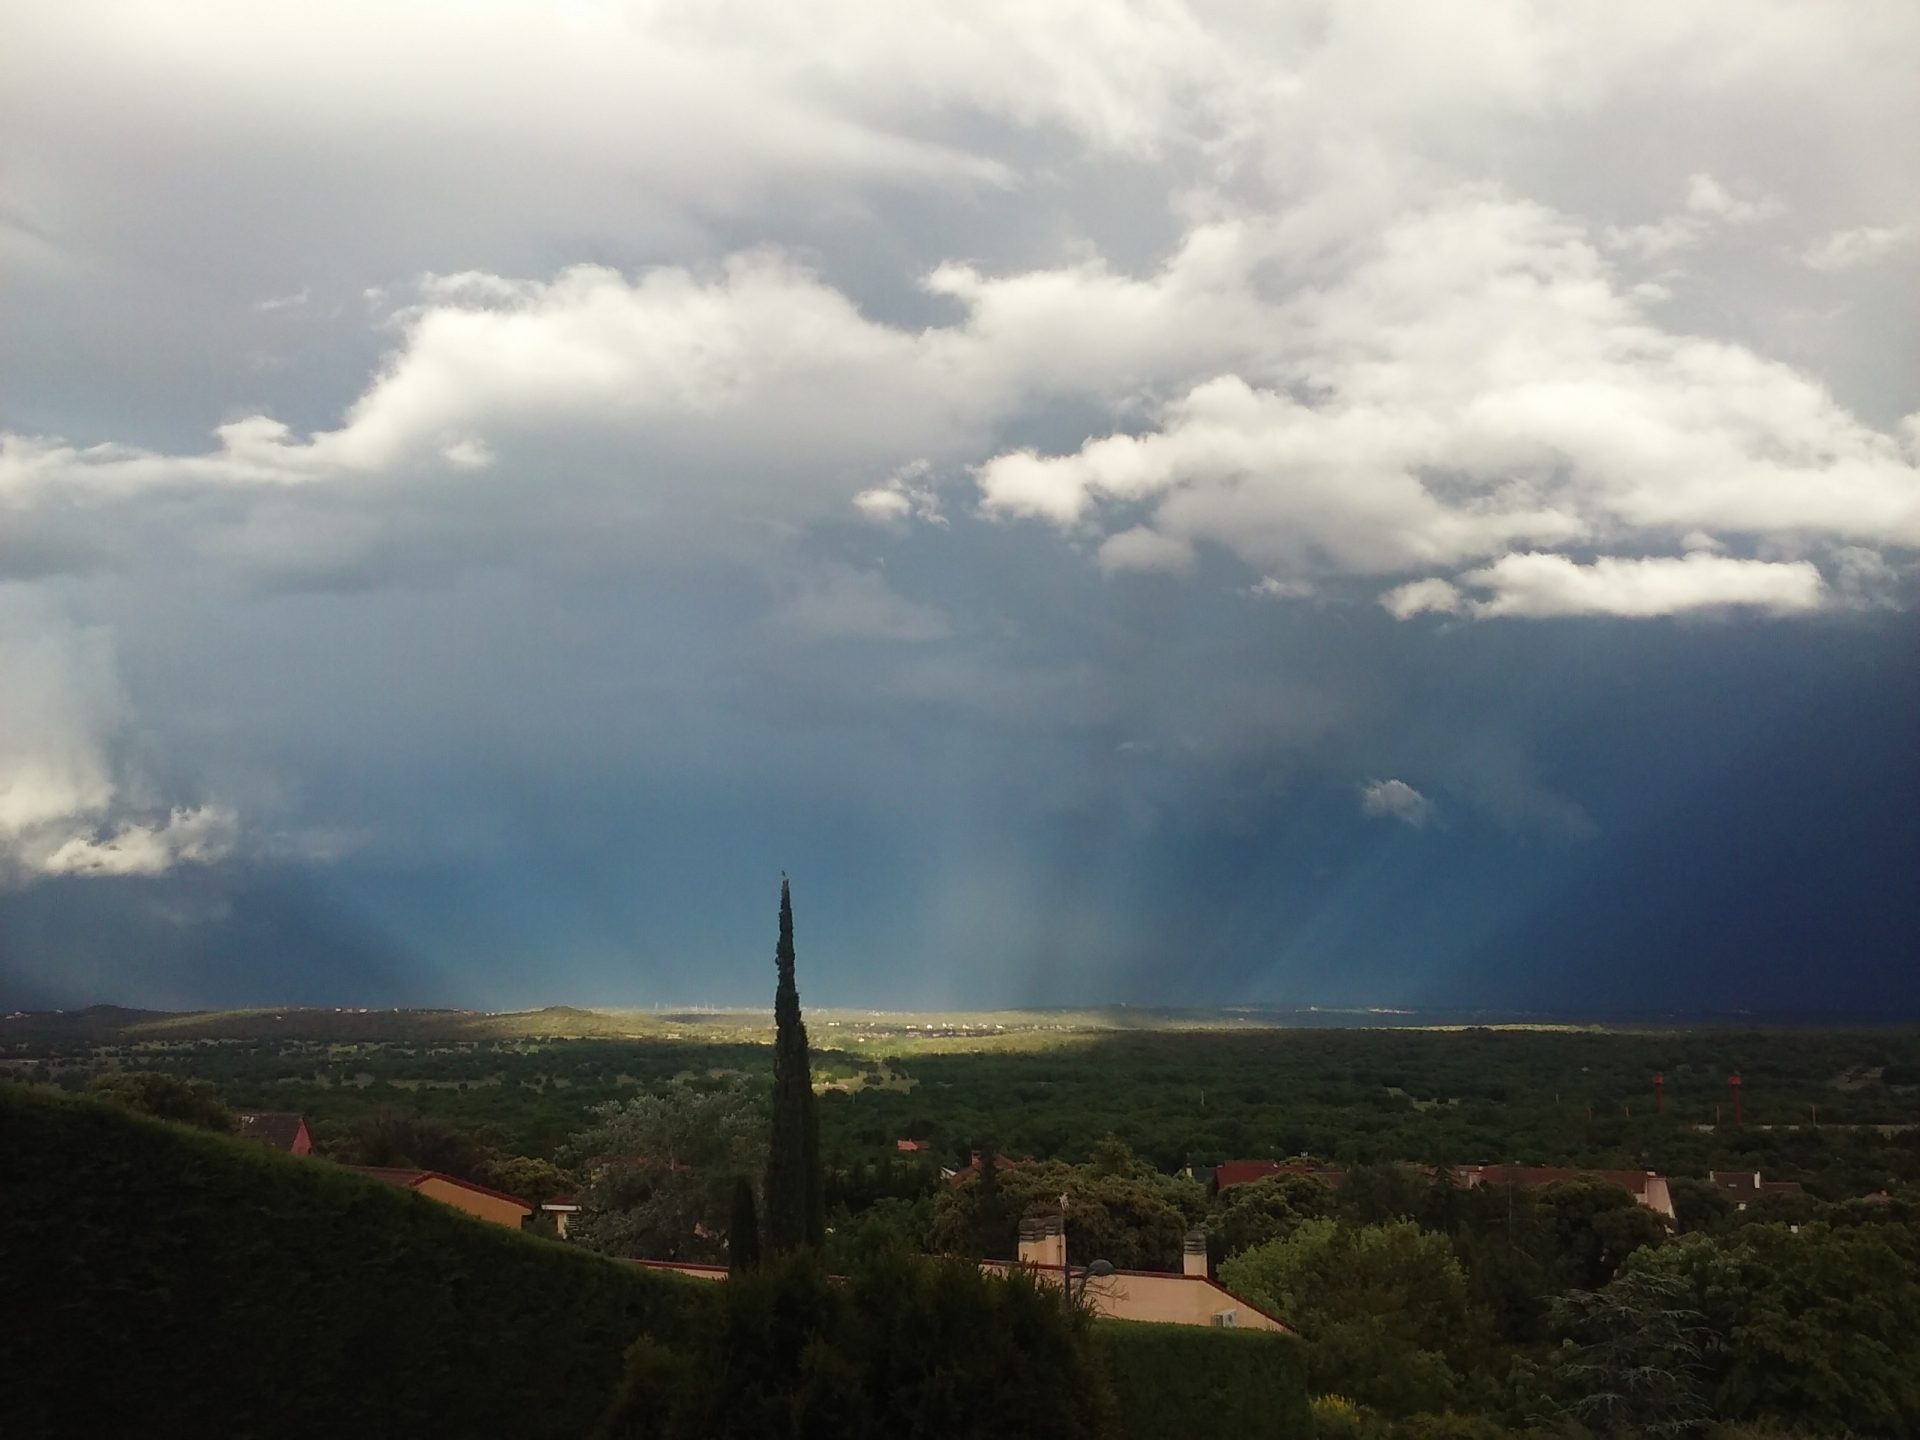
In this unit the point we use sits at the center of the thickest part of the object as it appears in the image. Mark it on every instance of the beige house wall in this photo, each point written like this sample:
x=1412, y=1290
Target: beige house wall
x=487, y=1207
x=1145, y=1295
x=1161, y=1298
x=1174, y=1300
x=1658, y=1198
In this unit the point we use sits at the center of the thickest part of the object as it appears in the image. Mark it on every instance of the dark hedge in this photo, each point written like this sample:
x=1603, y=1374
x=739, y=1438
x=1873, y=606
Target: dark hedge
x=1182, y=1379
x=159, y=1280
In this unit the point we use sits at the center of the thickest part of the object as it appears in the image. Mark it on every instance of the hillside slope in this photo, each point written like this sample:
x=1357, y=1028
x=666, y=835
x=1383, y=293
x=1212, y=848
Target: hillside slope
x=166, y=1281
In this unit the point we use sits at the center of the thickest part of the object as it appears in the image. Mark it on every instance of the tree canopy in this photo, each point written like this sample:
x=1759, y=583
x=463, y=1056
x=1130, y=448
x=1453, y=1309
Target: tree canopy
x=1384, y=1307
x=661, y=1169
x=165, y=1097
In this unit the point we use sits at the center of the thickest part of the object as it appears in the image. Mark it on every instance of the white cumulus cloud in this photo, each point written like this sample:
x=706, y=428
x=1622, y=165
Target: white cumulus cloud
x=1536, y=585
x=1862, y=245
x=1395, y=800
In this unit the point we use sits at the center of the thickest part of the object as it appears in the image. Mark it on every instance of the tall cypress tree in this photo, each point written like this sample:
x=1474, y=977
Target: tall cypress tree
x=796, y=1196
x=743, y=1233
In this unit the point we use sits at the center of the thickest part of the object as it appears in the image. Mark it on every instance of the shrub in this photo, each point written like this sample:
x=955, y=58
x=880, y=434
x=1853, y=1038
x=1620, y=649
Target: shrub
x=165, y=1281
x=1243, y=1382
x=908, y=1347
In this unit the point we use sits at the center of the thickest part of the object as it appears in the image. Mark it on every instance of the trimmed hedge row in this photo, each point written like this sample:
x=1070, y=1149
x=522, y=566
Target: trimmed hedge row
x=160, y=1280
x=1181, y=1379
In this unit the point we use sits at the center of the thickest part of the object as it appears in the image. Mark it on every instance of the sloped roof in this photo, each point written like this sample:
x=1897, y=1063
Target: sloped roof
x=278, y=1128
x=1244, y=1172
x=410, y=1179
x=972, y=1167
x=1633, y=1181
x=1170, y=1277
x=1747, y=1183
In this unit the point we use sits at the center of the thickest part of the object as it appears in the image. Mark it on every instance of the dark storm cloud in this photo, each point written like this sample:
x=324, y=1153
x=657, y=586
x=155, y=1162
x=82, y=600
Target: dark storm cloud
x=1173, y=503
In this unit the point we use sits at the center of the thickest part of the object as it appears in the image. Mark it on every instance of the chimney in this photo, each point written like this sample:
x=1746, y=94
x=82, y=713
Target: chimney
x=1193, y=1254
x=1043, y=1242
x=1733, y=1084
x=1659, y=1093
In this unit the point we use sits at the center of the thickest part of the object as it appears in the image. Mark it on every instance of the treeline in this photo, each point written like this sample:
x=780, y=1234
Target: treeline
x=1371, y=1097
x=1351, y=1096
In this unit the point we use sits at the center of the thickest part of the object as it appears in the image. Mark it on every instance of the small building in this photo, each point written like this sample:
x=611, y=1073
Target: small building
x=282, y=1129
x=562, y=1208
x=1746, y=1186
x=1647, y=1187
x=1229, y=1173
x=477, y=1200
x=1189, y=1297
x=912, y=1147
x=972, y=1168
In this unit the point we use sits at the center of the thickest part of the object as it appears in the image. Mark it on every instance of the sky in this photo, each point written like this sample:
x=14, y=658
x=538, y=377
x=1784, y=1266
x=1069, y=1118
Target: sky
x=1280, y=504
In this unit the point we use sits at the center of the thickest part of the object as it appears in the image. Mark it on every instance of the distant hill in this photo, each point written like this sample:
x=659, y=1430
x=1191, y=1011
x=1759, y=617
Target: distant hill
x=35, y=1033
x=165, y=1281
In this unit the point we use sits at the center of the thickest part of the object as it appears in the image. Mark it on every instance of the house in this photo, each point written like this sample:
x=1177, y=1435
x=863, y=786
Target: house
x=1746, y=1186
x=1187, y=1297
x=1646, y=1186
x=282, y=1129
x=912, y=1147
x=477, y=1200
x=1229, y=1173
x=972, y=1168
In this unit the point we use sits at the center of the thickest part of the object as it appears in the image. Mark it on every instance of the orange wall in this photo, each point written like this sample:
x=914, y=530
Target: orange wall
x=500, y=1212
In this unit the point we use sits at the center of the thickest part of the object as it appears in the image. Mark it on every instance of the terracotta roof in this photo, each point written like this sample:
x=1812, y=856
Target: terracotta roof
x=1244, y=1172
x=972, y=1167
x=1632, y=1181
x=278, y=1128
x=409, y=1179
x=1747, y=1184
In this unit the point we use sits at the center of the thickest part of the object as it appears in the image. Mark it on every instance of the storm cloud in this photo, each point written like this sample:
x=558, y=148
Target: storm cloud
x=497, y=485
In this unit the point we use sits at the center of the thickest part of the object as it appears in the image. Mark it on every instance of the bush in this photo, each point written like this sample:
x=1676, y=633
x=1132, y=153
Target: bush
x=908, y=1347
x=1814, y=1328
x=1335, y=1417
x=1385, y=1309
x=179, y=1282
x=165, y=1097
x=1174, y=1379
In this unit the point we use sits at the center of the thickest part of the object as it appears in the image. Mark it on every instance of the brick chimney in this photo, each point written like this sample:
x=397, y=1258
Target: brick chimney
x=1043, y=1242
x=1193, y=1254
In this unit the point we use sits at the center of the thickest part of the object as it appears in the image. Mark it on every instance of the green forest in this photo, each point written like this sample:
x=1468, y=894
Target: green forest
x=1426, y=1309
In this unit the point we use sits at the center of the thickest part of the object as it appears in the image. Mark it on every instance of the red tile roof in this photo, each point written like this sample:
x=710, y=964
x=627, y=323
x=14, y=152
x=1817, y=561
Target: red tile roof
x=1632, y=1181
x=1747, y=1184
x=1229, y=1173
x=278, y=1128
x=972, y=1167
